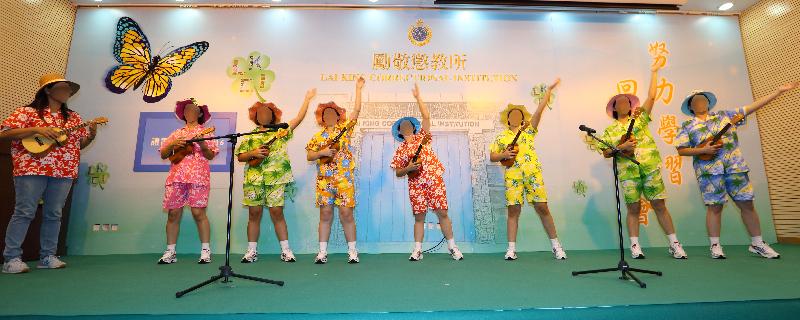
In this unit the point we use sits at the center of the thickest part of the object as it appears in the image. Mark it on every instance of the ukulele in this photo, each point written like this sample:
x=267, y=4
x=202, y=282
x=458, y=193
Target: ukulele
x=513, y=146
x=39, y=145
x=334, y=145
x=629, y=134
x=255, y=162
x=179, y=153
x=425, y=140
x=715, y=140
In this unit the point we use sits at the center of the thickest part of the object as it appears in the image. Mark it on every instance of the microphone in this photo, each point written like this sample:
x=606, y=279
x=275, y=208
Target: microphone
x=587, y=129
x=283, y=125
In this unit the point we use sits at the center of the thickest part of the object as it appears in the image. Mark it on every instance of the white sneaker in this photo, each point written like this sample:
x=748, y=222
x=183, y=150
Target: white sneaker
x=205, y=256
x=416, y=255
x=511, y=254
x=287, y=256
x=15, y=266
x=456, y=254
x=636, y=252
x=676, y=250
x=352, y=256
x=250, y=256
x=765, y=251
x=51, y=262
x=716, y=252
x=168, y=257
x=321, y=258
x=559, y=254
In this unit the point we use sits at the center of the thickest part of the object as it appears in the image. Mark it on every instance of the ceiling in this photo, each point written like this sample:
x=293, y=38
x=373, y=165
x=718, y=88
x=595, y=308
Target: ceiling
x=689, y=6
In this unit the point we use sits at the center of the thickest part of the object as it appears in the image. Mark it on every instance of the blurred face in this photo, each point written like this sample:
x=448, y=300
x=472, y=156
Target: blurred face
x=622, y=106
x=406, y=129
x=60, y=91
x=515, y=117
x=699, y=104
x=330, y=117
x=192, y=113
x=264, y=116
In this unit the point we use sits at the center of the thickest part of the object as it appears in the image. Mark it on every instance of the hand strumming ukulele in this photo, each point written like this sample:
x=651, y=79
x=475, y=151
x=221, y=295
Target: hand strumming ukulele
x=514, y=147
x=334, y=144
x=179, y=153
x=255, y=162
x=716, y=140
x=425, y=140
x=39, y=145
x=629, y=134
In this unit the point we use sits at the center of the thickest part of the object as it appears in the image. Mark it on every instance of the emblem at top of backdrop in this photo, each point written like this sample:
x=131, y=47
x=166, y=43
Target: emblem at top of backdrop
x=420, y=33
x=251, y=75
x=538, y=91
x=138, y=68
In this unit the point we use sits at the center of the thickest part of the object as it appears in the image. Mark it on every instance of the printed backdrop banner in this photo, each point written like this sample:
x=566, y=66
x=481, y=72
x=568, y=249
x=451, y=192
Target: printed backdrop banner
x=469, y=65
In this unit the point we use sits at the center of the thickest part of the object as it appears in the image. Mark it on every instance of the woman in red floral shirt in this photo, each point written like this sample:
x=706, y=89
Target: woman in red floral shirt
x=49, y=177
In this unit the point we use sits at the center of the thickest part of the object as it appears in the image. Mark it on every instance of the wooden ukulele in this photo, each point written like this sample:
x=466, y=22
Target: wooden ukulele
x=255, y=162
x=334, y=144
x=716, y=140
x=425, y=140
x=629, y=134
x=179, y=153
x=39, y=145
x=513, y=146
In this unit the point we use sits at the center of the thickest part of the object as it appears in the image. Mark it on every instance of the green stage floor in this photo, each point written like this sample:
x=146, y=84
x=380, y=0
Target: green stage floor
x=134, y=285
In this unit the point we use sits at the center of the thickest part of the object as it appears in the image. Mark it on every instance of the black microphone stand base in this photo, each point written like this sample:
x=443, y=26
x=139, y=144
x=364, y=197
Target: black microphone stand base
x=626, y=272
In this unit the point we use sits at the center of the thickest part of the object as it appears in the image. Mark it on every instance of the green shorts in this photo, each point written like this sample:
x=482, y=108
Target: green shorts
x=649, y=185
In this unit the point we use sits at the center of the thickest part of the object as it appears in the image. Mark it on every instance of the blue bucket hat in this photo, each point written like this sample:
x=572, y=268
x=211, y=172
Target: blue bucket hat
x=712, y=101
x=396, y=127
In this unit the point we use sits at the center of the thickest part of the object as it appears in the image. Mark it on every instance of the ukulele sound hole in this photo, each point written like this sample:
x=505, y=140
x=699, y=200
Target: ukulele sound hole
x=39, y=141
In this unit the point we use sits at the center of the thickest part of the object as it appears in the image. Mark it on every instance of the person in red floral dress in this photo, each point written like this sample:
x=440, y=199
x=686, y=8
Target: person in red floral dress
x=48, y=177
x=426, y=189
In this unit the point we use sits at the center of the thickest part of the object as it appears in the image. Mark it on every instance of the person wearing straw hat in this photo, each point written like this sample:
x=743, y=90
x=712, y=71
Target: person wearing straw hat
x=189, y=181
x=50, y=177
x=727, y=172
x=335, y=183
x=270, y=182
x=523, y=180
x=643, y=180
x=426, y=188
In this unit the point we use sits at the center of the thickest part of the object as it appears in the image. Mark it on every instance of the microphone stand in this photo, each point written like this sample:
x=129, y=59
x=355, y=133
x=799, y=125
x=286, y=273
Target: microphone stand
x=225, y=271
x=626, y=271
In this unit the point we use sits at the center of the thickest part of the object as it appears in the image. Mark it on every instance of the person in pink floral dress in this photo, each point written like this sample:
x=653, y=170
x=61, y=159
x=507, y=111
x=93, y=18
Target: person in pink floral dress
x=49, y=177
x=426, y=189
x=188, y=181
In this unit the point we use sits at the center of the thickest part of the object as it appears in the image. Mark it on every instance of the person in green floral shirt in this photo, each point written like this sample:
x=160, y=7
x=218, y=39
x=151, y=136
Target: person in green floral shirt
x=270, y=182
x=335, y=184
x=523, y=180
x=643, y=180
x=727, y=172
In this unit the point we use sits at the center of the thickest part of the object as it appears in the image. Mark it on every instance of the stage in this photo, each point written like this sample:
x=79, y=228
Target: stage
x=388, y=286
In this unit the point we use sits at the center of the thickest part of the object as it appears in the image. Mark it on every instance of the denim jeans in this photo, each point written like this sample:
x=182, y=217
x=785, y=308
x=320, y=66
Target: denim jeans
x=29, y=190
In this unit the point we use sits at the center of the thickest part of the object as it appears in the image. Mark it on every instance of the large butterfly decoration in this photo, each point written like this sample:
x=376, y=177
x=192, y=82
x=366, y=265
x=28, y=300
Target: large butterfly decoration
x=137, y=68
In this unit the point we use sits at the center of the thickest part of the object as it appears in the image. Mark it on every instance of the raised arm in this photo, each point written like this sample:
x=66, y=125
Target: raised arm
x=537, y=115
x=423, y=109
x=302, y=113
x=758, y=104
x=357, y=108
x=651, y=91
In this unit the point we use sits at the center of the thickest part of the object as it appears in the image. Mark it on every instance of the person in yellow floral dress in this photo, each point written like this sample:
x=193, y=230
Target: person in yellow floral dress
x=523, y=180
x=270, y=182
x=335, y=185
x=644, y=179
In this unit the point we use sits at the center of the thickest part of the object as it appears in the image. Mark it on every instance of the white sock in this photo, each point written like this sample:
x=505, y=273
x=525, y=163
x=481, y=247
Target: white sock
x=252, y=246
x=284, y=245
x=555, y=243
x=451, y=243
x=713, y=240
x=323, y=246
x=672, y=238
x=757, y=241
x=634, y=241
x=417, y=246
x=512, y=246
x=171, y=247
x=205, y=246
x=351, y=246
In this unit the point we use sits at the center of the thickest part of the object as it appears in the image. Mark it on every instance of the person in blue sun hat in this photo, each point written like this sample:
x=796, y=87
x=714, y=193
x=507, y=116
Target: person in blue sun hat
x=723, y=171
